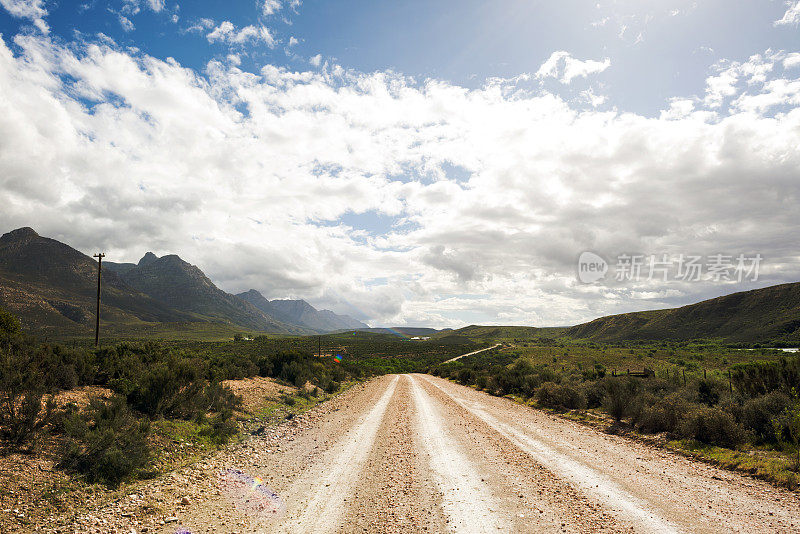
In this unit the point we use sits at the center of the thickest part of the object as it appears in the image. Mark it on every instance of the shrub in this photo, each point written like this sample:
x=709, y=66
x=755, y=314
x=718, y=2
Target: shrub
x=107, y=443
x=787, y=429
x=169, y=388
x=595, y=392
x=218, y=399
x=176, y=388
x=619, y=394
x=760, y=377
x=9, y=326
x=220, y=428
x=560, y=397
x=65, y=368
x=465, y=376
x=708, y=392
x=758, y=413
x=712, y=426
x=23, y=414
x=482, y=381
x=662, y=415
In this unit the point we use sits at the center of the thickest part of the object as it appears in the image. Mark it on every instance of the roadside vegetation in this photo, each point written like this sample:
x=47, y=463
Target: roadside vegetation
x=147, y=396
x=150, y=390
x=737, y=408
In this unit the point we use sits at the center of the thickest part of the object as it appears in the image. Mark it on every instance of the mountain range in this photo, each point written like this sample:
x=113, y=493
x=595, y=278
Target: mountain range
x=52, y=288
x=300, y=312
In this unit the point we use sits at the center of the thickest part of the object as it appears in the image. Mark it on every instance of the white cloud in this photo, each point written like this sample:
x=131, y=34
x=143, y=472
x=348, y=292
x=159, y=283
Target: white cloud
x=791, y=60
x=33, y=10
x=732, y=78
x=316, y=60
x=126, y=23
x=226, y=32
x=593, y=99
x=200, y=26
x=791, y=16
x=249, y=175
x=562, y=66
x=134, y=7
x=679, y=108
x=270, y=7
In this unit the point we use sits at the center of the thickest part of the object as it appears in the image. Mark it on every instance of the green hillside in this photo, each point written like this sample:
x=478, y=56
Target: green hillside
x=771, y=314
x=502, y=333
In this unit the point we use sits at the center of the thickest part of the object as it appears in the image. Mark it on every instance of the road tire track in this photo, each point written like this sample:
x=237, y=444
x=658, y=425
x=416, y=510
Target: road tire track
x=324, y=510
x=467, y=500
x=587, y=479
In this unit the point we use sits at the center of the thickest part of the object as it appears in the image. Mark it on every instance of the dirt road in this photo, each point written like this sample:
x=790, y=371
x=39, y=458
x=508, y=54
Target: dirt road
x=471, y=353
x=414, y=453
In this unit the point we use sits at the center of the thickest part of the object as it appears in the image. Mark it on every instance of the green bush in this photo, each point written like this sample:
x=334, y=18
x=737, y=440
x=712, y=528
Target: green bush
x=176, y=388
x=23, y=411
x=761, y=377
x=661, y=414
x=712, y=426
x=482, y=381
x=619, y=394
x=465, y=376
x=595, y=392
x=220, y=428
x=787, y=429
x=759, y=413
x=9, y=326
x=709, y=391
x=560, y=397
x=106, y=442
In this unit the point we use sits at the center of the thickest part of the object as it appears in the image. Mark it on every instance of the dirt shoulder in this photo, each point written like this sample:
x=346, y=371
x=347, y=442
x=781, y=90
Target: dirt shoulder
x=42, y=498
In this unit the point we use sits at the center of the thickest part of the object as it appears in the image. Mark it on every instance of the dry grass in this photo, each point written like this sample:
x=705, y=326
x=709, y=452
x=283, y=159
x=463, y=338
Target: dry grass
x=257, y=392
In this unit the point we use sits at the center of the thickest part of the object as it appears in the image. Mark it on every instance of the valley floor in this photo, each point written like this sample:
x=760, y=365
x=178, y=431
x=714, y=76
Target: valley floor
x=414, y=453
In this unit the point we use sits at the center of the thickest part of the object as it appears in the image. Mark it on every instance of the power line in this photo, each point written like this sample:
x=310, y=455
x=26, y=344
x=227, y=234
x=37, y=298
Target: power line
x=99, y=257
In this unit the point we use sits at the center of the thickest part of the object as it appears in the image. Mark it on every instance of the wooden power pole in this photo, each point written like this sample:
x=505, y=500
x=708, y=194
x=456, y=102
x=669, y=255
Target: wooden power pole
x=99, y=257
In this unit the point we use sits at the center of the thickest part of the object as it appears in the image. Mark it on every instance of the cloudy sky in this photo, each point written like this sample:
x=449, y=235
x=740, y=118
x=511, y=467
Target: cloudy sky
x=439, y=163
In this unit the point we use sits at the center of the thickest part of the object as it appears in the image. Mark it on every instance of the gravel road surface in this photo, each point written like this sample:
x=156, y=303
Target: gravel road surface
x=415, y=453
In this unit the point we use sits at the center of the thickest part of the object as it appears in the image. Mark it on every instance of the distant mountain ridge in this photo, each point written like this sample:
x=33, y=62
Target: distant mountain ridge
x=51, y=285
x=302, y=313
x=768, y=314
x=185, y=287
x=410, y=331
x=52, y=288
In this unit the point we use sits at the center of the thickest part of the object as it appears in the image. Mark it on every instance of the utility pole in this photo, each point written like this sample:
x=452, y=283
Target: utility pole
x=99, y=257
x=319, y=346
